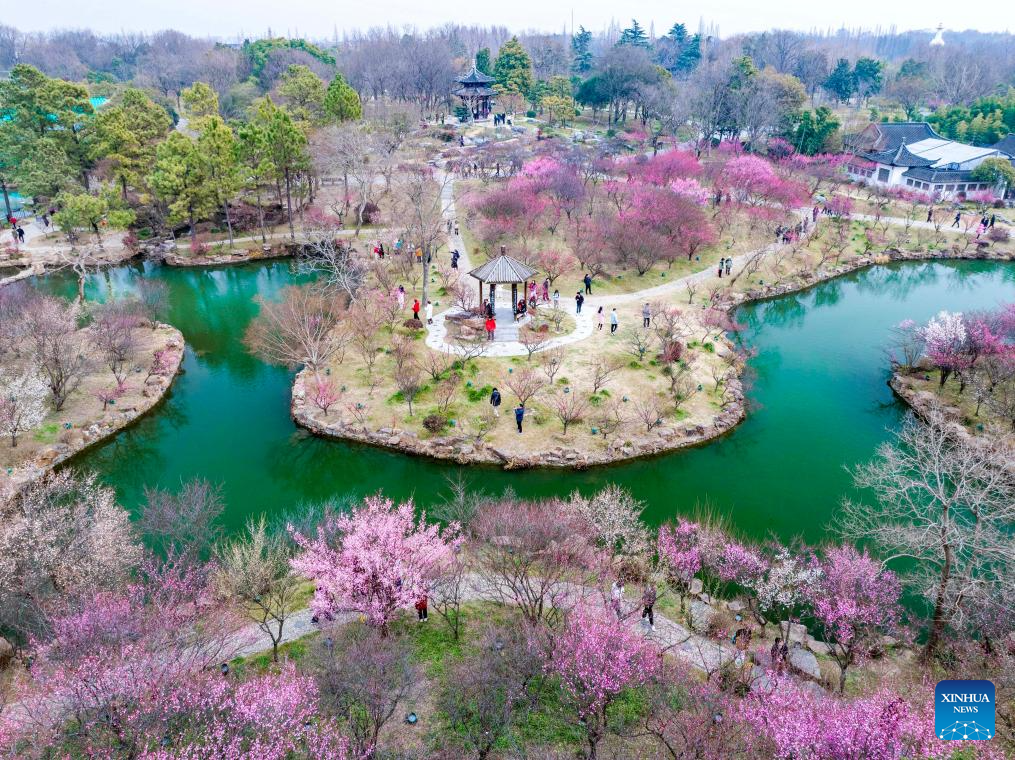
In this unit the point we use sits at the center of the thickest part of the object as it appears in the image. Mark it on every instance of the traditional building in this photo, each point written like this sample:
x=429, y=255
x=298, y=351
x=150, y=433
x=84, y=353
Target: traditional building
x=913, y=155
x=475, y=91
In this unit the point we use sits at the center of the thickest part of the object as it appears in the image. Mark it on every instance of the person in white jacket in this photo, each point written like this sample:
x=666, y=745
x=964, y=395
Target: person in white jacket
x=429, y=312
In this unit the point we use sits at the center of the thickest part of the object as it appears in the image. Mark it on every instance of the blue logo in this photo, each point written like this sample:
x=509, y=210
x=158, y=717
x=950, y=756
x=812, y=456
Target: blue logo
x=964, y=710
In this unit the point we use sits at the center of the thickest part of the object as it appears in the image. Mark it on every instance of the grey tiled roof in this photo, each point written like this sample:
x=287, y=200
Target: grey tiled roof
x=1006, y=144
x=503, y=269
x=901, y=156
x=474, y=91
x=894, y=135
x=475, y=76
x=926, y=174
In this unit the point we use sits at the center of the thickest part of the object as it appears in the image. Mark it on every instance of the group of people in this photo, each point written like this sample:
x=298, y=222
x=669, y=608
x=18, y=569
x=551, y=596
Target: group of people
x=648, y=602
x=787, y=234
x=725, y=265
x=495, y=402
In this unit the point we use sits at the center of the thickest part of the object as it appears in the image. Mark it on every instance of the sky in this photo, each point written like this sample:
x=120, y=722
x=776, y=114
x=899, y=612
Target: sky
x=234, y=19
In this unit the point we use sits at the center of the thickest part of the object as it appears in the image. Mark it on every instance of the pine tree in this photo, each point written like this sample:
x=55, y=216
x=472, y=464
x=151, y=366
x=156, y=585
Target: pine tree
x=483, y=61
x=216, y=145
x=581, y=53
x=634, y=35
x=341, y=102
x=180, y=178
x=841, y=83
x=513, y=68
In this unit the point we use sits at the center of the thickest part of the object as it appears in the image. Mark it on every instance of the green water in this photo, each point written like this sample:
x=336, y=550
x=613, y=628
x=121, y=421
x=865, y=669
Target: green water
x=819, y=403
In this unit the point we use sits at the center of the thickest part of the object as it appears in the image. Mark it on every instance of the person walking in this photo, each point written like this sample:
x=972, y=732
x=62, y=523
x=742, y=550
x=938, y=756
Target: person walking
x=519, y=416
x=617, y=597
x=614, y=322
x=415, y=309
x=421, y=610
x=454, y=258
x=646, y=315
x=958, y=218
x=579, y=299
x=600, y=318
x=814, y=214
x=588, y=283
x=722, y=262
x=21, y=234
x=729, y=265
x=488, y=308
x=546, y=290
x=429, y=311
x=648, y=601
x=993, y=218
x=556, y=299
x=491, y=327
x=930, y=215
x=495, y=402
x=532, y=293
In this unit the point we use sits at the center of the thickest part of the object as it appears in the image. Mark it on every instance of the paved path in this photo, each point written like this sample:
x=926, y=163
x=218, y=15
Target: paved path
x=698, y=651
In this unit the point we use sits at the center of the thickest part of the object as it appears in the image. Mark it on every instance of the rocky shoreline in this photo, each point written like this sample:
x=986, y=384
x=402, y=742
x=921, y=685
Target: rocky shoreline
x=93, y=432
x=241, y=256
x=465, y=449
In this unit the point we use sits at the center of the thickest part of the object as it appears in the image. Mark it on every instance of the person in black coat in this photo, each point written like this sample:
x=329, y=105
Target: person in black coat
x=495, y=402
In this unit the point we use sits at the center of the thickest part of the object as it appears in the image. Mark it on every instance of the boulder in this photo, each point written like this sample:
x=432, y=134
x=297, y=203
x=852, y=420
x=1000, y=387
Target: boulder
x=6, y=653
x=818, y=647
x=700, y=616
x=797, y=633
x=804, y=663
x=735, y=606
x=696, y=586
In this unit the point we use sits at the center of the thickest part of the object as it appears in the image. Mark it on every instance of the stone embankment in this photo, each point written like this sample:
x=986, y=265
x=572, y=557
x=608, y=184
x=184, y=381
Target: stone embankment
x=87, y=433
x=175, y=258
x=466, y=449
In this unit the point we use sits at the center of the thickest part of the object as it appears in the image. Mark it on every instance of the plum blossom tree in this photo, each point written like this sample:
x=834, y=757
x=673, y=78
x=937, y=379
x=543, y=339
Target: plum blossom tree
x=597, y=657
x=22, y=403
x=944, y=337
x=787, y=585
x=375, y=560
x=854, y=602
x=612, y=517
x=680, y=554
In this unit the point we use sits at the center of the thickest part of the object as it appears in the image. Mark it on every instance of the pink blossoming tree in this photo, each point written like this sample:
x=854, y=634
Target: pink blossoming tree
x=375, y=560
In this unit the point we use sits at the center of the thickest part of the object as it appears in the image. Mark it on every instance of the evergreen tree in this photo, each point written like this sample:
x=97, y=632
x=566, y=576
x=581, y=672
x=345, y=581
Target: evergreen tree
x=341, y=102
x=252, y=152
x=634, y=35
x=867, y=74
x=810, y=131
x=216, y=145
x=126, y=135
x=513, y=68
x=180, y=179
x=581, y=51
x=199, y=100
x=304, y=93
x=841, y=83
x=483, y=61
x=286, y=150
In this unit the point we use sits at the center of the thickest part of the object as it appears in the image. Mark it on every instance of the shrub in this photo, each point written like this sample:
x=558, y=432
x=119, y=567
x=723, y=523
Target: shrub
x=999, y=235
x=531, y=114
x=371, y=212
x=413, y=324
x=475, y=394
x=435, y=423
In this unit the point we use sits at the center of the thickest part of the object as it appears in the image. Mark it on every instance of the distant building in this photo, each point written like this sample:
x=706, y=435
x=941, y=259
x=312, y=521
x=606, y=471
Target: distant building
x=911, y=154
x=476, y=93
x=939, y=39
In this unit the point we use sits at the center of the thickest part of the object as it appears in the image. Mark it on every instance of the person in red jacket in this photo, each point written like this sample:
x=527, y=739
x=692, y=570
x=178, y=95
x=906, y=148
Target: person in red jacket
x=421, y=610
x=491, y=325
x=415, y=309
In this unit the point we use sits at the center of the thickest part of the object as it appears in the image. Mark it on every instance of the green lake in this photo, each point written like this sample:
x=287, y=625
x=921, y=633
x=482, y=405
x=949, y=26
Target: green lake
x=819, y=398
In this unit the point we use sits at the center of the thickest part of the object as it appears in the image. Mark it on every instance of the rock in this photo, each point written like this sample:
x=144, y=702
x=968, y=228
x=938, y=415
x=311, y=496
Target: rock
x=889, y=641
x=696, y=586
x=797, y=633
x=700, y=616
x=394, y=440
x=6, y=653
x=818, y=647
x=735, y=606
x=706, y=598
x=804, y=663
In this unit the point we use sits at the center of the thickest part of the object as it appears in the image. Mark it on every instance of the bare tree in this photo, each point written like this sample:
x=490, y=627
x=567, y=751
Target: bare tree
x=182, y=525
x=533, y=340
x=436, y=363
x=525, y=384
x=422, y=197
x=409, y=381
x=637, y=342
x=650, y=412
x=152, y=298
x=551, y=360
x=298, y=329
x=604, y=368
x=945, y=505
x=364, y=677
x=253, y=571
x=338, y=270
x=114, y=333
x=57, y=347
x=569, y=407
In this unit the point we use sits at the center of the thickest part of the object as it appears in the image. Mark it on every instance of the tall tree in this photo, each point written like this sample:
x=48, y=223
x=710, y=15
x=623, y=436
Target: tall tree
x=581, y=51
x=217, y=147
x=841, y=83
x=126, y=135
x=513, y=68
x=483, y=64
x=199, y=101
x=341, y=102
x=286, y=146
x=304, y=93
x=634, y=35
x=180, y=179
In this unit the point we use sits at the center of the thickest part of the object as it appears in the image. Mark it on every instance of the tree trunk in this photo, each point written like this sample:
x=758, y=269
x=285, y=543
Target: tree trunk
x=193, y=231
x=289, y=205
x=229, y=222
x=7, y=199
x=260, y=216
x=937, y=624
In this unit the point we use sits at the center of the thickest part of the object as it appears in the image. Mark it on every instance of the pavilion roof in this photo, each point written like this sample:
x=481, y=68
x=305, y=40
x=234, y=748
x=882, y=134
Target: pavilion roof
x=475, y=76
x=503, y=269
